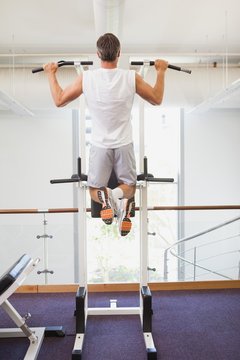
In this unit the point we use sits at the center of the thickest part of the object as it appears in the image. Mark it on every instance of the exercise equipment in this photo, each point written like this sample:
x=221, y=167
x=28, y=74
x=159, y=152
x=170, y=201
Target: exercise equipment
x=145, y=297
x=151, y=63
x=145, y=309
x=9, y=282
x=65, y=63
x=134, y=63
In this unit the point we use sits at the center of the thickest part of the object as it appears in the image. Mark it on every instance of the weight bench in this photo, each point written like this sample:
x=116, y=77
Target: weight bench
x=9, y=282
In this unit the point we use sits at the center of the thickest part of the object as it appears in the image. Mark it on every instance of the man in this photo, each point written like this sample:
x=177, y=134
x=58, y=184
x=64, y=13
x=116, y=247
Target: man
x=109, y=94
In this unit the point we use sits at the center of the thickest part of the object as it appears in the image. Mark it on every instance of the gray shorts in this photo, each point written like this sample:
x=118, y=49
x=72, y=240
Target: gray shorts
x=102, y=161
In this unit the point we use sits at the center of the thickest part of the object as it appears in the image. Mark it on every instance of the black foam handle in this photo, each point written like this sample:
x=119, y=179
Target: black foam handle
x=145, y=167
x=62, y=181
x=153, y=179
x=178, y=68
x=37, y=70
x=137, y=63
x=86, y=63
x=174, y=67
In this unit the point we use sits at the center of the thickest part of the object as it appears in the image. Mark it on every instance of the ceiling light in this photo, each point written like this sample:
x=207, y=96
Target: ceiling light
x=108, y=16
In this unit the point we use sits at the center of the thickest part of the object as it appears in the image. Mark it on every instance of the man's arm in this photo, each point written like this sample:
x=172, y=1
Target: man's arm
x=153, y=95
x=61, y=96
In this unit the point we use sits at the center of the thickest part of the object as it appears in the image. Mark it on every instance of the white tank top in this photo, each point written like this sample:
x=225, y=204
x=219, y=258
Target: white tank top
x=109, y=96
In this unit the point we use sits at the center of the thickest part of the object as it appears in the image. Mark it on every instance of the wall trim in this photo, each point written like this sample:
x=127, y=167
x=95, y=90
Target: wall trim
x=123, y=287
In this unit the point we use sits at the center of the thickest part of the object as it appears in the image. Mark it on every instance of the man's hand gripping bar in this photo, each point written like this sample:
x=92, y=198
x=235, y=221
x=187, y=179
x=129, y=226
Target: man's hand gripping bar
x=151, y=63
x=64, y=63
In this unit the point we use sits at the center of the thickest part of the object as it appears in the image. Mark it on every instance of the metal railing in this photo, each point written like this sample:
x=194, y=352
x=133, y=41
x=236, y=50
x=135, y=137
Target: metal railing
x=172, y=250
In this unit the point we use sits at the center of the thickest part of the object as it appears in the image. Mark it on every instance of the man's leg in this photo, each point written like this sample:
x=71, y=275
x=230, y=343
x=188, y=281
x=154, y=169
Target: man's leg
x=128, y=191
x=94, y=194
x=100, y=168
x=120, y=199
x=125, y=168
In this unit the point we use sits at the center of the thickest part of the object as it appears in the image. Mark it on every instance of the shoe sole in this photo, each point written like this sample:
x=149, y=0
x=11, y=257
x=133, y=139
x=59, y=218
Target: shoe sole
x=107, y=212
x=107, y=215
x=126, y=223
x=126, y=226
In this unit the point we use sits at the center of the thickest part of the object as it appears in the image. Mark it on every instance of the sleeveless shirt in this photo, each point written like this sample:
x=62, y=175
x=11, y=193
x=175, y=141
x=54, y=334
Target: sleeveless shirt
x=109, y=95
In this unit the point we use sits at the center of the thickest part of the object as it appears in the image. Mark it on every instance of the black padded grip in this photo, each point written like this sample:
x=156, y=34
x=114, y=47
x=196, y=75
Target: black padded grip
x=137, y=63
x=37, y=70
x=62, y=181
x=173, y=67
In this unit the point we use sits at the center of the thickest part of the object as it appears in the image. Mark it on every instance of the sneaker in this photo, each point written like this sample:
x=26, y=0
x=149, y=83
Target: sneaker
x=124, y=214
x=107, y=212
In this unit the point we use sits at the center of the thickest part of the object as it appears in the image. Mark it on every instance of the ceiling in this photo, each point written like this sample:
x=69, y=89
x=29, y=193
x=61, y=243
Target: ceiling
x=182, y=32
x=144, y=27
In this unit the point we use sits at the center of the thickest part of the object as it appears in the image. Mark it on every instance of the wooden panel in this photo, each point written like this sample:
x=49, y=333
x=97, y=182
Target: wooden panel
x=57, y=288
x=196, y=285
x=113, y=287
x=190, y=285
x=27, y=289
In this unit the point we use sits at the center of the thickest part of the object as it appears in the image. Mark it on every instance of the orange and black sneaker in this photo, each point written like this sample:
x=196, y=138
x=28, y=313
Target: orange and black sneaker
x=107, y=212
x=124, y=214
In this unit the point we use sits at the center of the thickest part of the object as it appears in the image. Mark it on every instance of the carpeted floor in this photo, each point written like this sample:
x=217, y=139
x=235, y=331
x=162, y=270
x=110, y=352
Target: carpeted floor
x=187, y=325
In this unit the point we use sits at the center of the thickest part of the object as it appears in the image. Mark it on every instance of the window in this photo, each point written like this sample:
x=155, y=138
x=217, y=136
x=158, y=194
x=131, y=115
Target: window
x=112, y=258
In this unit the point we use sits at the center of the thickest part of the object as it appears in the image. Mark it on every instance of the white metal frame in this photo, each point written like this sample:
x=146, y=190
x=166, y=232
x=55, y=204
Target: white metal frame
x=82, y=245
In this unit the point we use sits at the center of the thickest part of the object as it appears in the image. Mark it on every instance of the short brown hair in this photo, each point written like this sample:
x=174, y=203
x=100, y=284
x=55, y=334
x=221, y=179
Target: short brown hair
x=108, y=47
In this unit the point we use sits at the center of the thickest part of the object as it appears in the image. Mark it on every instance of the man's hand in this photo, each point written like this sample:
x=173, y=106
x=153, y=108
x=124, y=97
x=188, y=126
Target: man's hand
x=161, y=65
x=50, y=68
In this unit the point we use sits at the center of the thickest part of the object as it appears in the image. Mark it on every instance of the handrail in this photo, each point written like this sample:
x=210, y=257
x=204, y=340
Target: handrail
x=207, y=272
x=204, y=232
x=158, y=208
x=219, y=254
x=196, y=207
x=201, y=267
x=214, y=242
x=170, y=248
x=150, y=208
x=38, y=211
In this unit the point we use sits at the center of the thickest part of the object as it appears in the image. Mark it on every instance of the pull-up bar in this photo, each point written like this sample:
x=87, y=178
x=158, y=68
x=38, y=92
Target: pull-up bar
x=151, y=63
x=136, y=63
x=64, y=63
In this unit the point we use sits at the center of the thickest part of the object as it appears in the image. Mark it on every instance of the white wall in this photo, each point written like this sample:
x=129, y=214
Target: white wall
x=212, y=177
x=212, y=167
x=188, y=90
x=34, y=150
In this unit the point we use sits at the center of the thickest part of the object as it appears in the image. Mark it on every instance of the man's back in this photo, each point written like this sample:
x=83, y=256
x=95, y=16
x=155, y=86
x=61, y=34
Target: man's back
x=109, y=95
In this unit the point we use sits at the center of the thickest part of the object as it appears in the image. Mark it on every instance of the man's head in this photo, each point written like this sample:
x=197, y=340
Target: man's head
x=108, y=47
